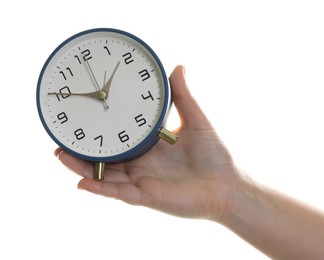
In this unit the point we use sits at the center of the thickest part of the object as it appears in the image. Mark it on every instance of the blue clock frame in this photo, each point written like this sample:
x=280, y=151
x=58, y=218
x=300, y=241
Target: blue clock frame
x=152, y=137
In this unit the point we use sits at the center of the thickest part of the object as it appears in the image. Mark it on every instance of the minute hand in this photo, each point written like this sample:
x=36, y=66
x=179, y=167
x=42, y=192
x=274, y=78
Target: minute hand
x=106, y=87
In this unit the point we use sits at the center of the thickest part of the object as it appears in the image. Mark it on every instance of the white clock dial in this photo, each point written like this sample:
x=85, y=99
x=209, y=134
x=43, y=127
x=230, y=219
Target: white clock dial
x=103, y=95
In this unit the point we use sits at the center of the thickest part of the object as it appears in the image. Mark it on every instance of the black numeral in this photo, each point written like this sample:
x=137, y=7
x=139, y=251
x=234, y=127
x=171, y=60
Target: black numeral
x=123, y=137
x=128, y=58
x=77, y=57
x=62, y=117
x=140, y=120
x=79, y=134
x=106, y=48
x=86, y=55
x=65, y=91
x=70, y=73
x=144, y=74
x=100, y=138
x=148, y=96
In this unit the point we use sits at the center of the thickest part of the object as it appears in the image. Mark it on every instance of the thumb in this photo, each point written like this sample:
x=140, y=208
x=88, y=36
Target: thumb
x=189, y=111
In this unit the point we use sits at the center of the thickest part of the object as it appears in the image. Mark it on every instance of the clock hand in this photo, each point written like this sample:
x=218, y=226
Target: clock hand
x=105, y=102
x=91, y=72
x=95, y=80
x=101, y=95
x=105, y=77
x=106, y=87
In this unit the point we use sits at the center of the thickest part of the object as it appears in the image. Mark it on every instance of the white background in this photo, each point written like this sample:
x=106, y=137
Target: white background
x=256, y=68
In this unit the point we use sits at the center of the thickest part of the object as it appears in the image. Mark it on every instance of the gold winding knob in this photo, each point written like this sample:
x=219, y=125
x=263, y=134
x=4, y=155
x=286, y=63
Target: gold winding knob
x=168, y=136
x=99, y=171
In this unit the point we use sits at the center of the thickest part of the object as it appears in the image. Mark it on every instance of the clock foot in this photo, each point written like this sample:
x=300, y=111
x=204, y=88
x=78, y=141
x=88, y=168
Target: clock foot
x=168, y=136
x=99, y=171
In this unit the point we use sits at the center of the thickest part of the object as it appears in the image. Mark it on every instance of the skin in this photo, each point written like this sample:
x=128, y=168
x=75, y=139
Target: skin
x=197, y=178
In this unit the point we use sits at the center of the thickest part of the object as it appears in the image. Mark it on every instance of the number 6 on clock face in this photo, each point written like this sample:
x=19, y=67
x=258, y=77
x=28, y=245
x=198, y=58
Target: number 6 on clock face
x=103, y=96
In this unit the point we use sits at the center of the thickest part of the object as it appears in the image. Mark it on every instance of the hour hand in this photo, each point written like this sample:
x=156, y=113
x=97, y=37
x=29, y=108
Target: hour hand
x=99, y=95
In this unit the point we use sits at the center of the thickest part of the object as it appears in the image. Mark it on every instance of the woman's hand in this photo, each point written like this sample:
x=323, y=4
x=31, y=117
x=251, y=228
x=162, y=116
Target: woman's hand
x=193, y=178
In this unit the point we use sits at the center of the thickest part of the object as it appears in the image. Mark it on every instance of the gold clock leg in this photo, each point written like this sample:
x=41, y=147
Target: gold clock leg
x=99, y=171
x=168, y=136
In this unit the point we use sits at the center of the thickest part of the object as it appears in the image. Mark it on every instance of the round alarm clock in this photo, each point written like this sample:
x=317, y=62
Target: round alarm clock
x=103, y=96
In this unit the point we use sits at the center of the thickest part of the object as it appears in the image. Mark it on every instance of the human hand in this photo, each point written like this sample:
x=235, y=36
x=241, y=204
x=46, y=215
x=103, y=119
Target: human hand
x=194, y=178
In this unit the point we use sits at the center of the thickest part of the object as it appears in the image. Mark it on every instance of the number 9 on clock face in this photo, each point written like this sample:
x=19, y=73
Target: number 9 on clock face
x=103, y=96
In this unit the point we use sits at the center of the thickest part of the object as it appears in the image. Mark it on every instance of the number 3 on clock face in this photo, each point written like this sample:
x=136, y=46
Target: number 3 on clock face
x=103, y=96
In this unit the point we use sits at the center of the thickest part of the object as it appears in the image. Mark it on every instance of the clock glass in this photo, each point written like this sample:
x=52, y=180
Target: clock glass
x=103, y=95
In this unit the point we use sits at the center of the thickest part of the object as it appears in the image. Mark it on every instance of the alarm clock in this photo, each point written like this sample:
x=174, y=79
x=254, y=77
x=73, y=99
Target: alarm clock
x=103, y=96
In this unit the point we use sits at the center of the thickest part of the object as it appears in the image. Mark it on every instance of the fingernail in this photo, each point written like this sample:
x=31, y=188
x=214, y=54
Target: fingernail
x=58, y=153
x=184, y=71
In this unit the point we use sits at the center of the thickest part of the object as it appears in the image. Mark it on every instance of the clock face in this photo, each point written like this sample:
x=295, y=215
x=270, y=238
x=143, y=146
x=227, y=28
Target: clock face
x=103, y=95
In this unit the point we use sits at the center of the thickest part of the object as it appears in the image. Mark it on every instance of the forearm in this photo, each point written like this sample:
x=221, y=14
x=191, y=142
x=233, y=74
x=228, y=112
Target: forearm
x=275, y=224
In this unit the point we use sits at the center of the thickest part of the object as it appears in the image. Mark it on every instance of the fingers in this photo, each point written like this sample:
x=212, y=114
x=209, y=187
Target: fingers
x=123, y=191
x=75, y=164
x=114, y=173
x=189, y=111
x=117, y=183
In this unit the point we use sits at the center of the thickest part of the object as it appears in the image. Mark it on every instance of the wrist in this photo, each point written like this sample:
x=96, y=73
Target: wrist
x=227, y=196
x=234, y=200
x=244, y=198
